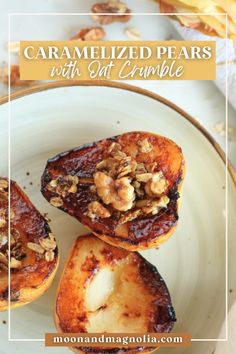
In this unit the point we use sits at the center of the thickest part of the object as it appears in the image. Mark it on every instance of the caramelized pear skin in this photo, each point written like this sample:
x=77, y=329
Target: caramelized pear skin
x=31, y=272
x=148, y=229
x=108, y=289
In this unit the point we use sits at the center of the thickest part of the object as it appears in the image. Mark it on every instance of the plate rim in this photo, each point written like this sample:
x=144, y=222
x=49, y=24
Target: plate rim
x=126, y=87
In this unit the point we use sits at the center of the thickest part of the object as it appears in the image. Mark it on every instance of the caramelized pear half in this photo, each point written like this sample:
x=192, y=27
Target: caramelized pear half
x=125, y=189
x=33, y=249
x=108, y=289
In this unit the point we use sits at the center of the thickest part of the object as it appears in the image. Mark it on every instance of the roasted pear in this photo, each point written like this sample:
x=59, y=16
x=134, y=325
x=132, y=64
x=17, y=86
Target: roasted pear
x=125, y=189
x=33, y=249
x=108, y=289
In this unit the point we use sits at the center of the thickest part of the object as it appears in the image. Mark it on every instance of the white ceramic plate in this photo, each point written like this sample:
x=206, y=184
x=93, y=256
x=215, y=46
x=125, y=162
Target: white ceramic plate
x=192, y=262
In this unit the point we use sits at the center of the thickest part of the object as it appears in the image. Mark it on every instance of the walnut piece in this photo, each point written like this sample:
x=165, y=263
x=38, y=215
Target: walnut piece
x=118, y=10
x=157, y=185
x=97, y=210
x=90, y=34
x=119, y=193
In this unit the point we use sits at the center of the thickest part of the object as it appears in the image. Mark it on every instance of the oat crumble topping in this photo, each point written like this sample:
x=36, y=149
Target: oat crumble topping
x=121, y=184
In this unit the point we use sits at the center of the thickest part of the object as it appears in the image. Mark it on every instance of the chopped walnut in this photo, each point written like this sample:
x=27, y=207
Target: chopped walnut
x=125, y=194
x=113, y=10
x=105, y=187
x=157, y=185
x=119, y=193
x=97, y=210
x=90, y=34
x=145, y=146
x=15, y=80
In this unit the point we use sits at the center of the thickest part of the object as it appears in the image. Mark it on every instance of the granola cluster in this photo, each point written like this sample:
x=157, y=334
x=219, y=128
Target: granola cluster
x=62, y=186
x=125, y=185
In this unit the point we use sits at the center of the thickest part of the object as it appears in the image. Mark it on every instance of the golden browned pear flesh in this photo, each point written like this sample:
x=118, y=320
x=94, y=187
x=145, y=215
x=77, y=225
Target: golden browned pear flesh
x=108, y=289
